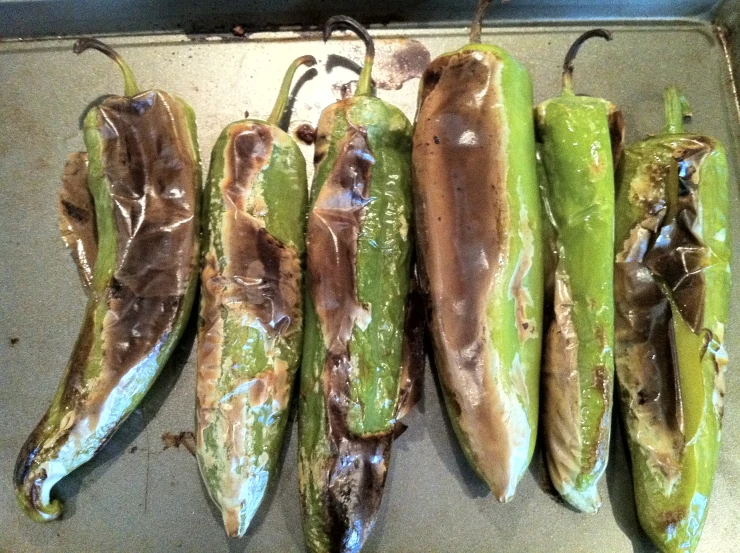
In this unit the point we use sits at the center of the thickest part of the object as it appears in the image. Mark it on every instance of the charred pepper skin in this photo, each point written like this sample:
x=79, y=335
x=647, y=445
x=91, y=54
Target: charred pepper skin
x=359, y=249
x=479, y=243
x=672, y=283
x=251, y=322
x=143, y=281
x=578, y=135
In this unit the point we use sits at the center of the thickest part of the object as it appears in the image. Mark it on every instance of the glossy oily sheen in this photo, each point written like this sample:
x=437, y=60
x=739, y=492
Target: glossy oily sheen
x=672, y=281
x=578, y=135
x=144, y=175
x=359, y=254
x=250, y=330
x=478, y=221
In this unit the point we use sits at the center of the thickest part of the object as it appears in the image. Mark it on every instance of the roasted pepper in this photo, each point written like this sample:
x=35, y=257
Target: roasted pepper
x=580, y=137
x=143, y=170
x=251, y=323
x=359, y=248
x=477, y=207
x=672, y=284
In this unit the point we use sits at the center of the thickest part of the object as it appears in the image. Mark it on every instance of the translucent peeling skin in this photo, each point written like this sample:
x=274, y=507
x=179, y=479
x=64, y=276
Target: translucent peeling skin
x=477, y=210
x=354, y=385
x=251, y=322
x=672, y=283
x=77, y=217
x=578, y=135
x=144, y=176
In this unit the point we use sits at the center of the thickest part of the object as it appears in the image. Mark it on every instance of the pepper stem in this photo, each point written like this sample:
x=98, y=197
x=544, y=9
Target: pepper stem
x=365, y=83
x=573, y=51
x=476, y=26
x=130, y=88
x=676, y=110
x=282, y=99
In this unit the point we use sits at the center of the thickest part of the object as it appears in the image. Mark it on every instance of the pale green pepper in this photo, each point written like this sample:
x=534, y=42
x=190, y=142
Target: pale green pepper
x=672, y=284
x=578, y=135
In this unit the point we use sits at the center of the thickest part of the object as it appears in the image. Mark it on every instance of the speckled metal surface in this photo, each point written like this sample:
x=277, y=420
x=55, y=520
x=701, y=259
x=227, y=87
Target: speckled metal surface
x=137, y=496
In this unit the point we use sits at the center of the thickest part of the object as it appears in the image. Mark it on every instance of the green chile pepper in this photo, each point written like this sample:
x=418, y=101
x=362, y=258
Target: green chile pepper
x=672, y=283
x=477, y=208
x=143, y=170
x=251, y=322
x=578, y=135
x=359, y=248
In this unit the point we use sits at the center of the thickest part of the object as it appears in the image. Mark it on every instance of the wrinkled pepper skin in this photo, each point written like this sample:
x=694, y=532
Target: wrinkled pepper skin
x=250, y=333
x=479, y=243
x=672, y=284
x=359, y=250
x=578, y=135
x=144, y=175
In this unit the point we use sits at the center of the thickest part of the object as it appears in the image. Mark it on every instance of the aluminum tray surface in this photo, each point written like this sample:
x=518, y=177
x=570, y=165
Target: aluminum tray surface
x=136, y=495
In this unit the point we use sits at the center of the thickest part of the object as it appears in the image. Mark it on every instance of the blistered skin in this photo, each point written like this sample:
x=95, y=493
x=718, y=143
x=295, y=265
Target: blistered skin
x=251, y=313
x=672, y=279
x=77, y=216
x=477, y=213
x=144, y=175
x=577, y=134
x=353, y=376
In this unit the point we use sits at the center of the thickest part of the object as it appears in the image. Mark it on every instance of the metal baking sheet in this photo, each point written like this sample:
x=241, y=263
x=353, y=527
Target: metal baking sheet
x=138, y=496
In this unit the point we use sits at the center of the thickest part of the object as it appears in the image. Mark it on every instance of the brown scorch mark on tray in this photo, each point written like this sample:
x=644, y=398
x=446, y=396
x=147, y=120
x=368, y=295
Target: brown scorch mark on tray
x=396, y=61
x=185, y=439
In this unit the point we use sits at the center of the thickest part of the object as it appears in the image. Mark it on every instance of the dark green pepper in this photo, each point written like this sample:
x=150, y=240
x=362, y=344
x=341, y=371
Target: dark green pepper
x=251, y=324
x=672, y=284
x=143, y=170
x=477, y=207
x=578, y=135
x=359, y=248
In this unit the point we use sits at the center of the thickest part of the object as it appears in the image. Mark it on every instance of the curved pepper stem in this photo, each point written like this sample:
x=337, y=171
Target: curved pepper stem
x=365, y=83
x=573, y=51
x=282, y=99
x=476, y=26
x=130, y=88
x=677, y=108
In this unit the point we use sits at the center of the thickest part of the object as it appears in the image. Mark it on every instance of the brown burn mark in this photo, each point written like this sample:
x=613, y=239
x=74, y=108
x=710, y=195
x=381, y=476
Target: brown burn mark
x=262, y=276
x=357, y=471
x=357, y=468
x=677, y=255
x=77, y=216
x=149, y=162
x=413, y=356
x=331, y=239
x=462, y=221
x=185, y=439
x=644, y=355
x=616, y=134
